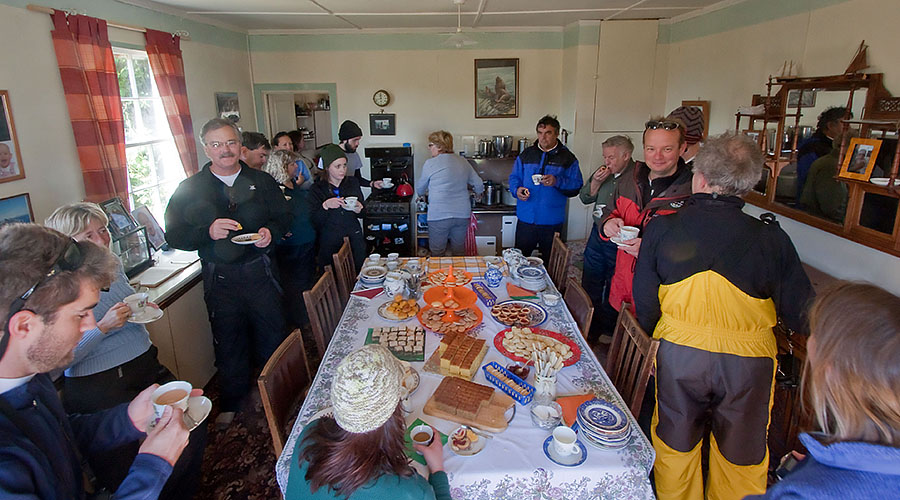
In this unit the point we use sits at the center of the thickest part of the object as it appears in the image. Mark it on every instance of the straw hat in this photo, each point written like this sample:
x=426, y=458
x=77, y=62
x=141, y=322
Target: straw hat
x=365, y=390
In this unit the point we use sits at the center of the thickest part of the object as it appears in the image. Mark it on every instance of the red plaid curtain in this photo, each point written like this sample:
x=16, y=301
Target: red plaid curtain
x=88, y=74
x=164, y=51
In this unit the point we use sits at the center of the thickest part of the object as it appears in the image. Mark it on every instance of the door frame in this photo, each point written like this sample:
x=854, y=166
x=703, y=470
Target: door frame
x=261, y=90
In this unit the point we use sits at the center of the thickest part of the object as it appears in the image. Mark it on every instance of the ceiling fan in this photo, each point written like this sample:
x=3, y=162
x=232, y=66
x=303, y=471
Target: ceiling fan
x=459, y=39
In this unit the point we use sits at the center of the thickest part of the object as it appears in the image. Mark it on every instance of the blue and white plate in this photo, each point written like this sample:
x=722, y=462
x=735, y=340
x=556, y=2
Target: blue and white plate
x=530, y=273
x=602, y=417
x=603, y=445
x=573, y=460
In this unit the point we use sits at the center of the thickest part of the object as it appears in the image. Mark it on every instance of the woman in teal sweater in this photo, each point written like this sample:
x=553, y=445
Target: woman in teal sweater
x=359, y=452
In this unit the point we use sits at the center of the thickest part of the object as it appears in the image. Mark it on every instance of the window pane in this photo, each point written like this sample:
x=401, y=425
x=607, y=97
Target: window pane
x=142, y=76
x=167, y=163
x=122, y=73
x=148, y=116
x=128, y=114
x=143, y=197
x=139, y=173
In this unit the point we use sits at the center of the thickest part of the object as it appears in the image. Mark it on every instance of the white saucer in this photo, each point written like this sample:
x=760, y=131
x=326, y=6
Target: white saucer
x=573, y=460
x=149, y=315
x=618, y=241
x=246, y=239
x=197, y=411
x=883, y=181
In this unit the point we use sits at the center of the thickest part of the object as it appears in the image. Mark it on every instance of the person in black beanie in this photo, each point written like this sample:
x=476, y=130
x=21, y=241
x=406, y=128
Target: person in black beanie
x=349, y=136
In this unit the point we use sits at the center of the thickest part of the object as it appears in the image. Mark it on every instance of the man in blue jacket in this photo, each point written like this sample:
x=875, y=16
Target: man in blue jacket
x=543, y=177
x=49, y=285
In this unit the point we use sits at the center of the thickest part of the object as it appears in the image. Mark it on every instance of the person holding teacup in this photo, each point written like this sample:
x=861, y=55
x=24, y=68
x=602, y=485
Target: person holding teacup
x=335, y=207
x=358, y=451
x=115, y=360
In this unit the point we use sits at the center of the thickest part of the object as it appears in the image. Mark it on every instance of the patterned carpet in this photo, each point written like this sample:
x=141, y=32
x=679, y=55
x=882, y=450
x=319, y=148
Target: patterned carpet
x=239, y=463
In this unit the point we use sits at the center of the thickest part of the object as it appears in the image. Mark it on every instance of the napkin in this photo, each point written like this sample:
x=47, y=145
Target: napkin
x=410, y=452
x=519, y=293
x=369, y=294
x=570, y=406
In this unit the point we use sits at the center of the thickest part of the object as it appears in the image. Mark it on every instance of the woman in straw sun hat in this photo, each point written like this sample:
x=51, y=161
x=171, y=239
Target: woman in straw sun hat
x=359, y=452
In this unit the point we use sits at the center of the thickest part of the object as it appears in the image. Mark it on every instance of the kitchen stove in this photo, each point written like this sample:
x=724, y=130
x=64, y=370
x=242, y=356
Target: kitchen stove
x=388, y=222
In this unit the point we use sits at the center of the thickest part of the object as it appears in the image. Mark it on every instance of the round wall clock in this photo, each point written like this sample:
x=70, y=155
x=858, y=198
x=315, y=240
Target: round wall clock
x=381, y=98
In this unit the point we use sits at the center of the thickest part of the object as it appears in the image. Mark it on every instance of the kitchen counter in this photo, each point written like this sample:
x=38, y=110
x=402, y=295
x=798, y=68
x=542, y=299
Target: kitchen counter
x=494, y=209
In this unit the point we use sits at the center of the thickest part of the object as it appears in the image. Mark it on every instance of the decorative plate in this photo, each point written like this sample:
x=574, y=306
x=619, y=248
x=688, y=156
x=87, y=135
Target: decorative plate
x=473, y=449
x=602, y=416
x=518, y=313
x=576, y=351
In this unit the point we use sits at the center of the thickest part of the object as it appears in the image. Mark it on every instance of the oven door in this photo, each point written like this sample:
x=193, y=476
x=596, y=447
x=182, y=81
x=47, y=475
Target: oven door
x=389, y=233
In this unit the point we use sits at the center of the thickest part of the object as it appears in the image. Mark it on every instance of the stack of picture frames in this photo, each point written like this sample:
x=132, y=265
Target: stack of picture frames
x=16, y=208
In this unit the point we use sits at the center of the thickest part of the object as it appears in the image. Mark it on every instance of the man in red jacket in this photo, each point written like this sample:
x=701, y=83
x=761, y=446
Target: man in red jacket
x=660, y=184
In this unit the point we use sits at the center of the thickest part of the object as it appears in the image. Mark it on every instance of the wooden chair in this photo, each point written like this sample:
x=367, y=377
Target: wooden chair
x=324, y=308
x=630, y=360
x=345, y=271
x=558, y=267
x=580, y=306
x=282, y=386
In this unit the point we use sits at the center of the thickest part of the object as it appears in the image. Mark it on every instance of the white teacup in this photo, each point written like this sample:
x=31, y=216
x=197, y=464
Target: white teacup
x=536, y=179
x=418, y=431
x=375, y=258
x=393, y=256
x=392, y=265
x=628, y=233
x=136, y=302
x=174, y=394
x=565, y=441
x=351, y=201
x=387, y=182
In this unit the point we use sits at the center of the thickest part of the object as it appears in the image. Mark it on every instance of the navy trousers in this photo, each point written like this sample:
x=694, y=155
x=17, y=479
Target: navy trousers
x=244, y=302
x=599, y=267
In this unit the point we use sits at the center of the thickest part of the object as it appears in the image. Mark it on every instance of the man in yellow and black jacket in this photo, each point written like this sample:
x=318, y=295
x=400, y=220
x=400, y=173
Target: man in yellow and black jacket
x=710, y=283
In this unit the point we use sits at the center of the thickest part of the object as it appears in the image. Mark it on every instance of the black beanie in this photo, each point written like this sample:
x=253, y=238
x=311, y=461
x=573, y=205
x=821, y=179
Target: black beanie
x=349, y=130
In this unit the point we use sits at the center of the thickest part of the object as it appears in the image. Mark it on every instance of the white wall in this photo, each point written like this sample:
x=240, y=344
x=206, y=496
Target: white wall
x=728, y=67
x=430, y=89
x=31, y=75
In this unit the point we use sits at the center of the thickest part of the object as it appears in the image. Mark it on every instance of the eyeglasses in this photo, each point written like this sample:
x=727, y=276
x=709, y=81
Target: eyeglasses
x=218, y=145
x=663, y=124
x=70, y=259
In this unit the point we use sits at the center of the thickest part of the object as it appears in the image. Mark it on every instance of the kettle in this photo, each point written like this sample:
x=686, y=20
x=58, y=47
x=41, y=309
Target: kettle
x=404, y=189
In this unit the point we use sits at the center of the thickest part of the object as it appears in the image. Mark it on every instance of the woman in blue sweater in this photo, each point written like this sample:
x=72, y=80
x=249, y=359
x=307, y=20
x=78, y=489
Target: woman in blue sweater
x=853, y=376
x=115, y=361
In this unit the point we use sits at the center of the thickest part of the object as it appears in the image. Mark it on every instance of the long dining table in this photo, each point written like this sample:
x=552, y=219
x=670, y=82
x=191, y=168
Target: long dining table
x=512, y=465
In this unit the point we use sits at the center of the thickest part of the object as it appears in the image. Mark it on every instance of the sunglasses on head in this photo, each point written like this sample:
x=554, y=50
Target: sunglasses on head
x=663, y=124
x=70, y=259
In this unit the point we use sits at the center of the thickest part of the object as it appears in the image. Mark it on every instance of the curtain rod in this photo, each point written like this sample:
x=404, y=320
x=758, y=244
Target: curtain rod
x=184, y=35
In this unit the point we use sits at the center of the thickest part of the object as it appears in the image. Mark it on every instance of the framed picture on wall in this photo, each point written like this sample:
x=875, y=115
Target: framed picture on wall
x=809, y=98
x=382, y=124
x=859, y=160
x=704, y=108
x=496, y=88
x=227, y=106
x=120, y=220
x=155, y=234
x=16, y=209
x=11, y=168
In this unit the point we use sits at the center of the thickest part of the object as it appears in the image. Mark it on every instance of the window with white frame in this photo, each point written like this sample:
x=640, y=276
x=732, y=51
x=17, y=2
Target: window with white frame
x=154, y=167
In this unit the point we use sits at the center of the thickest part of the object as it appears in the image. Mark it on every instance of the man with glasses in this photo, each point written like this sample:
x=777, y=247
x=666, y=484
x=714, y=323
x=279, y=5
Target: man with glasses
x=49, y=285
x=243, y=299
x=543, y=177
x=660, y=185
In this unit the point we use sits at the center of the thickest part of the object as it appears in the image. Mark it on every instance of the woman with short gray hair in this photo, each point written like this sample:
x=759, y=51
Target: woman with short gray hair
x=445, y=178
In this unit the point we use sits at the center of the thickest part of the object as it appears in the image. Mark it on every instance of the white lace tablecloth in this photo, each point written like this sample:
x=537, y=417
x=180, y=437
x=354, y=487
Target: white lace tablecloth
x=512, y=465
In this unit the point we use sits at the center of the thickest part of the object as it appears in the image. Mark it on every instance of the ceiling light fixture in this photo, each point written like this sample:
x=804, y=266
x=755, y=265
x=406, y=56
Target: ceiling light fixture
x=459, y=39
